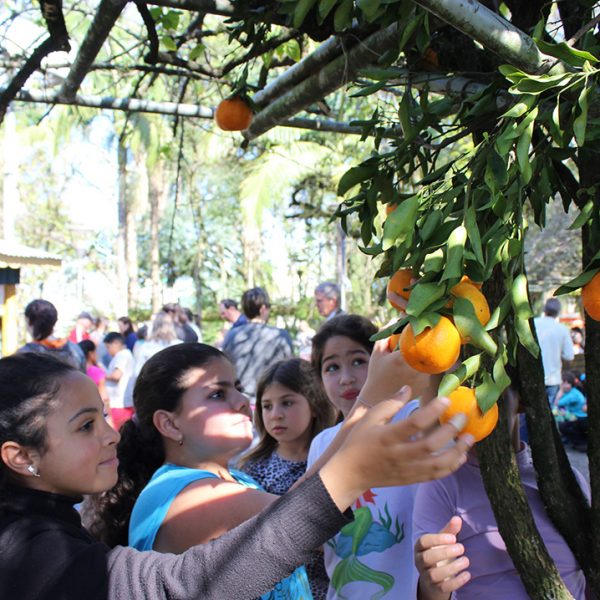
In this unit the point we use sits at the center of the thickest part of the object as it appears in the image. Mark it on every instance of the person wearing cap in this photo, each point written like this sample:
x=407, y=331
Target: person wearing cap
x=82, y=328
x=555, y=345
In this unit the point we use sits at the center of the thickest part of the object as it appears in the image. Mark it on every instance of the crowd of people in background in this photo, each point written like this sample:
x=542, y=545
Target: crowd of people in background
x=194, y=465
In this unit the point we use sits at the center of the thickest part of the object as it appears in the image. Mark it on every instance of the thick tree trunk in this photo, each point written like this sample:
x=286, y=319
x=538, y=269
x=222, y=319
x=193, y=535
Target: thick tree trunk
x=503, y=485
x=590, y=179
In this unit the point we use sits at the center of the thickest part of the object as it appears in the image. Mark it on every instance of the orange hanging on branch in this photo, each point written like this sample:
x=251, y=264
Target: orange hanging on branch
x=479, y=425
x=233, y=114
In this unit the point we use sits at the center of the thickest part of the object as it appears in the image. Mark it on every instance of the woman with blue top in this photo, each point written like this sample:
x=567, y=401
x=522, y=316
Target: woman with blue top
x=173, y=471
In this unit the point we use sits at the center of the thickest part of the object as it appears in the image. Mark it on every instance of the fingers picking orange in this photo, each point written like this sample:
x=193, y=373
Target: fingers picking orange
x=399, y=284
x=233, y=114
x=479, y=425
x=590, y=297
x=393, y=342
x=434, y=350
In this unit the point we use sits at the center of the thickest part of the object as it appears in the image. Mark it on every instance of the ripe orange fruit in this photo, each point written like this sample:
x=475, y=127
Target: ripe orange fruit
x=390, y=208
x=233, y=114
x=590, y=296
x=434, y=350
x=398, y=283
x=463, y=400
x=467, y=279
x=475, y=297
x=393, y=341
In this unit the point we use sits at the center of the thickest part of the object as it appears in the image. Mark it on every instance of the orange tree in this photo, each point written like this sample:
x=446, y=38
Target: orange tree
x=524, y=140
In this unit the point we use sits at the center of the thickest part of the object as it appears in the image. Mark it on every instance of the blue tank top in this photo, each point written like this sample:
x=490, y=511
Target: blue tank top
x=156, y=498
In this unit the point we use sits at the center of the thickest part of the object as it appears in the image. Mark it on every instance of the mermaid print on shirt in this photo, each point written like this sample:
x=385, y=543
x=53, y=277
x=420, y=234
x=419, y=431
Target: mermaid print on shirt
x=361, y=537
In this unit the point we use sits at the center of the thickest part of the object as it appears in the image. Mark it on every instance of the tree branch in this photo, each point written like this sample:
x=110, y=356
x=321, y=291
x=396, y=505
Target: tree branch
x=328, y=79
x=492, y=31
x=152, y=55
x=106, y=15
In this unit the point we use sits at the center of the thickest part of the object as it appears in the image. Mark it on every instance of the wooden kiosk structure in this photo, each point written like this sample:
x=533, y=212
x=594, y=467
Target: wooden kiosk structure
x=13, y=256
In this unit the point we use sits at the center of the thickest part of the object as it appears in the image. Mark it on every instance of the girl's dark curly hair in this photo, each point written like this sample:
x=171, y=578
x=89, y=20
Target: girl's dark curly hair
x=159, y=386
x=298, y=376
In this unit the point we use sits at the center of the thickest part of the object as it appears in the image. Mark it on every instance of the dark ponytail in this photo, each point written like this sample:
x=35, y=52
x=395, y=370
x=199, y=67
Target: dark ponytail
x=159, y=386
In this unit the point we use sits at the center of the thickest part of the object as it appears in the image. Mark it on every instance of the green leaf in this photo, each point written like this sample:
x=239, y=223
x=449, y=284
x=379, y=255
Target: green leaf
x=400, y=224
x=369, y=89
x=434, y=261
x=473, y=234
x=168, y=43
x=487, y=393
x=454, y=254
x=523, y=153
x=424, y=321
x=170, y=20
x=389, y=330
x=577, y=282
x=537, y=84
x=525, y=336
x=302, y=9
x=354, y=176
x=501, y=378
x=584, y=216
x=520, y=108
x=342, y=19
x=580, y=123
x=470, y=328
x=410, y=29
x=500, y=313
x=196, y=52
x=370, y=8
x=566, y=53
x=451, y=381
x=325, y=7
x=404, y=116
x=422, y=296
x=520, y=298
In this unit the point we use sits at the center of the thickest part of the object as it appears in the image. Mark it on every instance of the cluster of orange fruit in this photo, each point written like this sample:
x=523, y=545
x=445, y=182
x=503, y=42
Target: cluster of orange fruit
x=436, y=349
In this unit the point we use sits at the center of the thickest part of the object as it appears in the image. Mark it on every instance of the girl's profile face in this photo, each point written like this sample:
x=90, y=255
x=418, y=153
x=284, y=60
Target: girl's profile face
x=214, y=416
x=81, y=455
x=344, y=371
x=286, y=414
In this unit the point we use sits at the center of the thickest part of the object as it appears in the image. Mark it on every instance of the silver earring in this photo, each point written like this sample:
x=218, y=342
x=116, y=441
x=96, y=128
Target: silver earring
x=33, y=470
x=181, y=441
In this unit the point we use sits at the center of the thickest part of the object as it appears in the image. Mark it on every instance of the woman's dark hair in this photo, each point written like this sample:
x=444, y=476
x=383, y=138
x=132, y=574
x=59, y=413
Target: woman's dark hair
x=29, y=386
x=128, y=323
x=357, y=328
x=87, y=346
x=253, y=300
x=159, y=386
x=298, y=376
x=41, y=316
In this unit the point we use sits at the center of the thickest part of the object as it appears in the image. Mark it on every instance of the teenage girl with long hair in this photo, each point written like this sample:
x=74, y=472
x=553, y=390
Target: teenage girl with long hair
x=191, y=420
x=372, y=557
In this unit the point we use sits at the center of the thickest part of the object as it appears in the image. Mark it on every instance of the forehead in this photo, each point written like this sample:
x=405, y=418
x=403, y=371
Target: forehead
x=277, y=390
x=340, y=345
x=76, y=391
x=216, y=369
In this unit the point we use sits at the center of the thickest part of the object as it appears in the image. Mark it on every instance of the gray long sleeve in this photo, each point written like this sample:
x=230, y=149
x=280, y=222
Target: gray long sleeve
x=242, y=564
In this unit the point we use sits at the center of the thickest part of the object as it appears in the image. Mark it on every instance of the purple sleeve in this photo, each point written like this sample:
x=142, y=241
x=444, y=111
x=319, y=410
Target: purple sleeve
x=433, y=509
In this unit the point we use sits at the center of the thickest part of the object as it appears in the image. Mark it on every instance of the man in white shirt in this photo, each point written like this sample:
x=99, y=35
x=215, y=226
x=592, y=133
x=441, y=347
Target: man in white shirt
x=118, y=374
x=555, y=344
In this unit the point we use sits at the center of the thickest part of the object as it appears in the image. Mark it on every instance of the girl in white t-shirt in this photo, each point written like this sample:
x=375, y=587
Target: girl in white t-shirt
x=373, y=556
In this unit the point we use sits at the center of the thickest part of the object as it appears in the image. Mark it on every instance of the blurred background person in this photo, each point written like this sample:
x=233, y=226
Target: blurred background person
x=41, y=317
x=82, y=329
x=127, y=330
x=327, y=299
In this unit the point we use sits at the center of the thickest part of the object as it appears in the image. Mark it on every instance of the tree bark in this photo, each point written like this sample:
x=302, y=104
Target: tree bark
x=590, y=179
x=106, y=15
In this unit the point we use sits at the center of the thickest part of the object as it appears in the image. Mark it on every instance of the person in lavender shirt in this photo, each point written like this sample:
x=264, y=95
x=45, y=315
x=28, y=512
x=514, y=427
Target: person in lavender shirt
x=456, y=511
